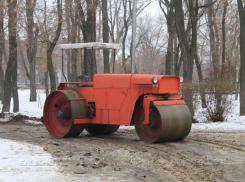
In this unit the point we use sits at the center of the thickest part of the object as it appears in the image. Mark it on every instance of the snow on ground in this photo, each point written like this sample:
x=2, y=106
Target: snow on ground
x=233, y=120
x=32, y=109
x=26, y=162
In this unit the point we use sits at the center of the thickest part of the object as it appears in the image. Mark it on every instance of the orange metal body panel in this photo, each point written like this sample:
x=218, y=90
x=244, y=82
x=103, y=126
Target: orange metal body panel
x=115, y=95
x=104, y=116
x=112, y=80
x=100, y=98
x=82, y=121
x=114, y=116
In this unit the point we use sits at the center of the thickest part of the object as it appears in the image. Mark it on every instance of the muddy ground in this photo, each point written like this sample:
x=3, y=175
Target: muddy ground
x=202, y=156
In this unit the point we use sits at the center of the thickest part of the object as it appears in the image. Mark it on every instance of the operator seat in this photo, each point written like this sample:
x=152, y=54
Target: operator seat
x=82, y=78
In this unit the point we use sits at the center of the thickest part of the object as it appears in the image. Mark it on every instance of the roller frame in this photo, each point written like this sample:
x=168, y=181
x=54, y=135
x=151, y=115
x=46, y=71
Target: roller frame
x=146, y=104
x=160, y=100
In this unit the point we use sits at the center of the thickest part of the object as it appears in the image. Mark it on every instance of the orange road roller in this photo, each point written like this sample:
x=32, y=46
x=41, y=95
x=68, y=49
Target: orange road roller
x=152, y=103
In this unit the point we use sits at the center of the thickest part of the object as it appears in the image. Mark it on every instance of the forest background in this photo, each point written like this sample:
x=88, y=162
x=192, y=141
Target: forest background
x=202, y=41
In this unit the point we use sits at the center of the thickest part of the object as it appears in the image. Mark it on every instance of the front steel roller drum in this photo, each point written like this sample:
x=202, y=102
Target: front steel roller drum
x=101, y=129
x=60, y=110
x=167, y=123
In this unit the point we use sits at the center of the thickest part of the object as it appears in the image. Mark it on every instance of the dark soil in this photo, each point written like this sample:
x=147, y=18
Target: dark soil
x=19, y=118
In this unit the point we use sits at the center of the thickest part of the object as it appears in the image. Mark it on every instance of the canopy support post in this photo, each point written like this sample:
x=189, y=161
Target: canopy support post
x=114, y=58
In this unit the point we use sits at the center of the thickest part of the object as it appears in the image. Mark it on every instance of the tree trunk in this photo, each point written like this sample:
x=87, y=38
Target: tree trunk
x=194, y=18
x=90, y=57
x=88, y=28
x=241, y=9
x=74, y=52
x=193, y=14
x=12, y=62
x=105, y=36
x=22, y=58
x=177, y=60
x=50, y=69
x=169, y=56
x=224, y=39
x=124, y=36
x=213, y=47
x=1, y=50
x=46, y=83
x=33, y=91
x=182, y=36
x=83, y=25
x=50, y=49
x=31, y=47
x=171, y=31
x=185, y=53
x=67, y=51
x=14, y=87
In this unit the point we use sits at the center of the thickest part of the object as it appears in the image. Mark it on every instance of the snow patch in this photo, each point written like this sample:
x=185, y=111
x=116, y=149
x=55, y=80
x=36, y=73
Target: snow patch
x=26, y=162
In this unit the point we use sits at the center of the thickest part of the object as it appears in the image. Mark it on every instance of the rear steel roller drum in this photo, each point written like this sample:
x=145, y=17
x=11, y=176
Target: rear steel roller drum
x=101, y=129
x=60, y=111
x=167, y=123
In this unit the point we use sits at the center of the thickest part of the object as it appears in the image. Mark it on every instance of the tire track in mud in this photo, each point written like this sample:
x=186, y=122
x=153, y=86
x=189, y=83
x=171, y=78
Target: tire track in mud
x=203, y=167
x=177, y=166
x=127, y=155
x=233, y=145
x=195, y=168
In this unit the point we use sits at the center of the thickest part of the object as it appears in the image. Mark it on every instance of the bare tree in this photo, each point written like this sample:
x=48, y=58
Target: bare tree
x=1, y=49
x=185, y=52
x=105, y=35
x=10, y=82
x=151, y=46
x=194, y=17
x=115, y=21
x=183, y=39
x=68, y=10
x=120, y=20
x=224, y=39
x=51, y=45
x=73, y=17
x=125, y=70
x=177, y=60
x=169, y=15
x=88, y=27
x=241, y=9
x=31, y=46
x=214, y=45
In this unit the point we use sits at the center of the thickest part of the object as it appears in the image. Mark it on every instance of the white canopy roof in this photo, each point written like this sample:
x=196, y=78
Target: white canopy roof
x=90, y=45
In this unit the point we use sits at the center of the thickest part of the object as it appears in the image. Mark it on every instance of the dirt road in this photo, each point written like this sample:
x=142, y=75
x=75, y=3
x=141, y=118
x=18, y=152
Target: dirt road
x=202, y=156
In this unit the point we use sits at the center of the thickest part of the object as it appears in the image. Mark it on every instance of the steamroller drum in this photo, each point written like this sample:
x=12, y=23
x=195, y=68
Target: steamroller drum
x=60, y=110
x=101, y=129
x=167, y=123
